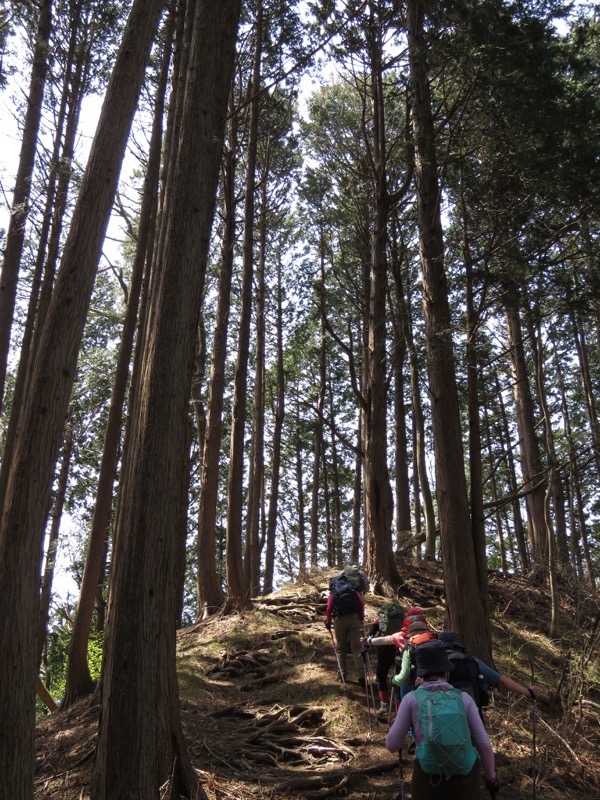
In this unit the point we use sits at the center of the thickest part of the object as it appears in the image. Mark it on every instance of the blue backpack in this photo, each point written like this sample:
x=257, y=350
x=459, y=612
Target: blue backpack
x=446, y=748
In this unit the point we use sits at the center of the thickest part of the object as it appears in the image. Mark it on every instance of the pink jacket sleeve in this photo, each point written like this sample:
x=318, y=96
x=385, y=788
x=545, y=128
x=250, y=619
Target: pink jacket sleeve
x=480, y=738
x=329, y=609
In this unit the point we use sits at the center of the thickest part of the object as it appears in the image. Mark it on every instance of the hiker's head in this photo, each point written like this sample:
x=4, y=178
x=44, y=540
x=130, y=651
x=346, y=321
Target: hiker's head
x=416, y=627
x=432, y=660
x=451, y=639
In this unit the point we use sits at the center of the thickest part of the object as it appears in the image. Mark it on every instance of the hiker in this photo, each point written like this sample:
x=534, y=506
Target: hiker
x=448, y=731
x=389, y=620
x=417, y=635
x=346, y=607
x=399, y=639
x=487, y=678
x=357, y=577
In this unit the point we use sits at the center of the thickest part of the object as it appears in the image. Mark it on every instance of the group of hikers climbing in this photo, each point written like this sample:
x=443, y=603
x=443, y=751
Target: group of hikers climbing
x=435, y=697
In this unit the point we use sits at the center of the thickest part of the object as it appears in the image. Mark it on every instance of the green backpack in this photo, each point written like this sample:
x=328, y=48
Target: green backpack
x=446, y=748
x=390, y=618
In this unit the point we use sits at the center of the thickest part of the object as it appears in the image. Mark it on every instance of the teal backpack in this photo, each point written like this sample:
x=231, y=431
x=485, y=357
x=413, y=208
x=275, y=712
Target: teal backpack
x=446, y=748
x=390, y=618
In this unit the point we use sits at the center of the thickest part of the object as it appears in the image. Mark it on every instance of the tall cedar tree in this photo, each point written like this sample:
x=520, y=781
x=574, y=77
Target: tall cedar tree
x=460, y=568
x=140, y=747
x=42, y=419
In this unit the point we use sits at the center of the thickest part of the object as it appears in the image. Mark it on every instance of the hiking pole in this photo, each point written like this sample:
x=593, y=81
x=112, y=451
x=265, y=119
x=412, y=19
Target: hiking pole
x=337, y=658
x=400, y=795
x=391, y=704
x=369, y=680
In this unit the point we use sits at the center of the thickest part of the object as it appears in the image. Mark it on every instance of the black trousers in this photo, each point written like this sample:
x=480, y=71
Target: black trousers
x=386, y=654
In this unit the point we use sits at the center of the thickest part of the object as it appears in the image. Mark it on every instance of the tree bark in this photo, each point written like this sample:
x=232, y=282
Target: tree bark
x=209, y=590
x=257, y=456
x=43, y=416
x=15, y=236
x=379, y=502
x=140, y=746
x=279, y=411
x=78, y=679
x=531, y=467
x=460, y=569
x=237, y=587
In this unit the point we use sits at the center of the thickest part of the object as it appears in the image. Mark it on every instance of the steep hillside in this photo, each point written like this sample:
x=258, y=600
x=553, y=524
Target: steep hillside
x=266, y=717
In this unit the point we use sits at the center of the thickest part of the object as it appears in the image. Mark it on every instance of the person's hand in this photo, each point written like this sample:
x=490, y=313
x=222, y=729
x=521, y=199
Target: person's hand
x=492, y=786
x=328, y=625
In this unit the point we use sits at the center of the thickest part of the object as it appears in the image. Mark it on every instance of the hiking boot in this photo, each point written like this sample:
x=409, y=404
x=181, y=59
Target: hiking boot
x=383, y=710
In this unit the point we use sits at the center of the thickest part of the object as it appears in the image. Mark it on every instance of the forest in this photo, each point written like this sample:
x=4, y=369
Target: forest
x=284, y=285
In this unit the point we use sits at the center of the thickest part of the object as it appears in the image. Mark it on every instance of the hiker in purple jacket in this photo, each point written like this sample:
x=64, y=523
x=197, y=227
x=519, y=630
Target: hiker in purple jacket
x=433, y=667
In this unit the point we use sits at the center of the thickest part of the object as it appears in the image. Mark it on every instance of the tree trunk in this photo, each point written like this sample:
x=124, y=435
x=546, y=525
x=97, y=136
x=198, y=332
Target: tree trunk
x=402, y=482
x=379, y=502
x=419, y=420
x=257, y=455
x=78, y=678
x=71, y=96
x=279, y=410
x=237, y=588
x=587, y=384
x=460, y=568
x=210, y=593
x=475, y=460
x=55, y=517
x=300, y=494
x=15, y=235
x=505, y=443
x=531, y=467
x=46, y=403
x=315, y=511
x=357, y=495
x=141, y=752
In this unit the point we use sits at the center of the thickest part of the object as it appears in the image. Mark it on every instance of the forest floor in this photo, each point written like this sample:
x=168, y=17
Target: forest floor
x=265, y=717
